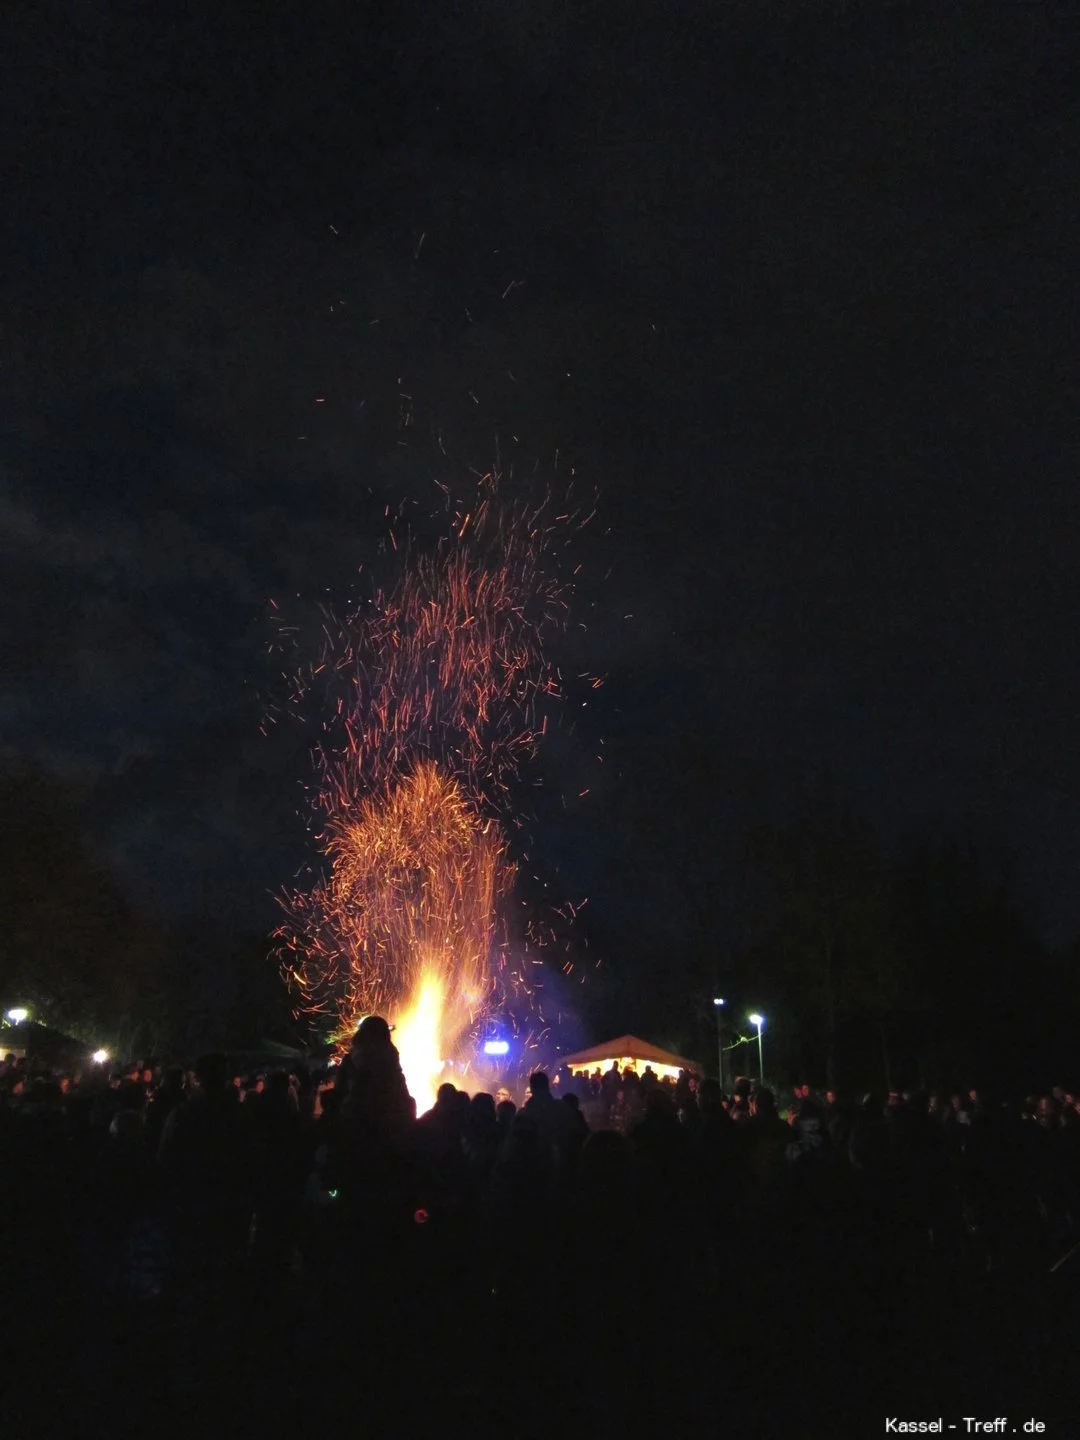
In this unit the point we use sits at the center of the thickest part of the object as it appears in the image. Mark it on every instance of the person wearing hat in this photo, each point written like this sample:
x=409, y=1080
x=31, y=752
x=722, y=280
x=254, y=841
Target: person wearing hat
x=371, y=1080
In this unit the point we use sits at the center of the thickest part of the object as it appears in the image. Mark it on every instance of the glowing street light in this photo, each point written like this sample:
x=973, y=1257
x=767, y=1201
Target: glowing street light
x=99, y=1057
x=759, y=1021
x=718, y=1006
x=18, y=1014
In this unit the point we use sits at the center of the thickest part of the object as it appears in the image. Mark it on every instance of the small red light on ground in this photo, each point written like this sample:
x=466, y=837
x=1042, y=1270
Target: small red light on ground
x=421, y=1217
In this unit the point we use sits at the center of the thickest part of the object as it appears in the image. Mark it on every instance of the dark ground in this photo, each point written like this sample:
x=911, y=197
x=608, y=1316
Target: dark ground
x=798, y=1338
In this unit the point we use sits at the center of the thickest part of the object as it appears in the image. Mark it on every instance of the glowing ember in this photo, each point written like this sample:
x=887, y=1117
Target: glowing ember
x=430, y=691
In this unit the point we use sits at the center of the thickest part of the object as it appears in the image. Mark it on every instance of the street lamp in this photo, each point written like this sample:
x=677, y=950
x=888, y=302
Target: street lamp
x=759, y=1021
x=18, y=1014
x=99, y=1057
x=718, y=1005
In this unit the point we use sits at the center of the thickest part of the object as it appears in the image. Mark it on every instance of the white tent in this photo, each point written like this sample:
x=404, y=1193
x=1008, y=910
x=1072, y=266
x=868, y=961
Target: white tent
x=629, y=1053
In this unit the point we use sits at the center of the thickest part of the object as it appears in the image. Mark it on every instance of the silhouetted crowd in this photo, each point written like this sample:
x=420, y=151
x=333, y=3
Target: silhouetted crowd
x=271, y=1250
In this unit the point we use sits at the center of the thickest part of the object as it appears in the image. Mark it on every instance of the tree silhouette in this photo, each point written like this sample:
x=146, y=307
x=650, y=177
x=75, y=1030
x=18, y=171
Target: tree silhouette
x=71, y=947
x=831, y=934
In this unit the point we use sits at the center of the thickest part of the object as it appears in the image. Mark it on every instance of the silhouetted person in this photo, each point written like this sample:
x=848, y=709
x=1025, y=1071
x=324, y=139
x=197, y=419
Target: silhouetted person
x=811, y=1136
x=522, y=1214
x=481, y=1136
x=164, y=1100
x=998, y=1184
x=957, y=1120
x=740, y=1104
x=443, y=1112
x=839, y=1117
x=766, y=1156
x=717, y=1142
x=125, y=1197
x=1050, y=1170
x=376, y=1101
x=282, y=1158
x=554, y=1123
x=869, y=1147
x=440, y=1137
x=371, y=1159
x=505, y=1111
x=206, y=1177
x=658, y=1136
x=604, y=1228
x=684, y=1091
x=580, y=1132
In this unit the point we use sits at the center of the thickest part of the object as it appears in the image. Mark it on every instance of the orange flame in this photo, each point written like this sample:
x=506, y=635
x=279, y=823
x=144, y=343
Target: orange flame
x=432, y=690
x=413, y=892
x=419, y=1034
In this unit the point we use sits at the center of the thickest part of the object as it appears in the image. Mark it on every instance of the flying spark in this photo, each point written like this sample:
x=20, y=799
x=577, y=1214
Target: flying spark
x=429, y=695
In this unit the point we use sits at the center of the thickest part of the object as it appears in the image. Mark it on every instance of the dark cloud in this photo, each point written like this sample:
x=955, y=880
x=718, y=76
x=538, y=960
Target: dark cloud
x=795, y=300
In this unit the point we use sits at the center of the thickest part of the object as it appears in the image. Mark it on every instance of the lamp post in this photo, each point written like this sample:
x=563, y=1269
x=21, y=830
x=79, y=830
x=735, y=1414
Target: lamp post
x=18, y=1014
x=759, y=1021
x=718, y=1006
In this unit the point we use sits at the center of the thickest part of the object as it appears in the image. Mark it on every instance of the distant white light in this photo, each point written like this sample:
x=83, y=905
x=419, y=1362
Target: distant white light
x=718, y=1002
x=99, y=1057
x=496, y=1047
x=18, y=1015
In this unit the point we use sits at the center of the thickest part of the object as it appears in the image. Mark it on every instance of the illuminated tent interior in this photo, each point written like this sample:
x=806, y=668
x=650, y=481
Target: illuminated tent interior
x=629, y=1053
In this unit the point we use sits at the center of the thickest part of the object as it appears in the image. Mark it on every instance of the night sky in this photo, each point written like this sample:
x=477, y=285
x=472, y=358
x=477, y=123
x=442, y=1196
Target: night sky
x=792, y=286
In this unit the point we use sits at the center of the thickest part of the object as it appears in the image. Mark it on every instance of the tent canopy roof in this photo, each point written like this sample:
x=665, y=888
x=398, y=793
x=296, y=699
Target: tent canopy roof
x=31, y=1037
x=627, y=1047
